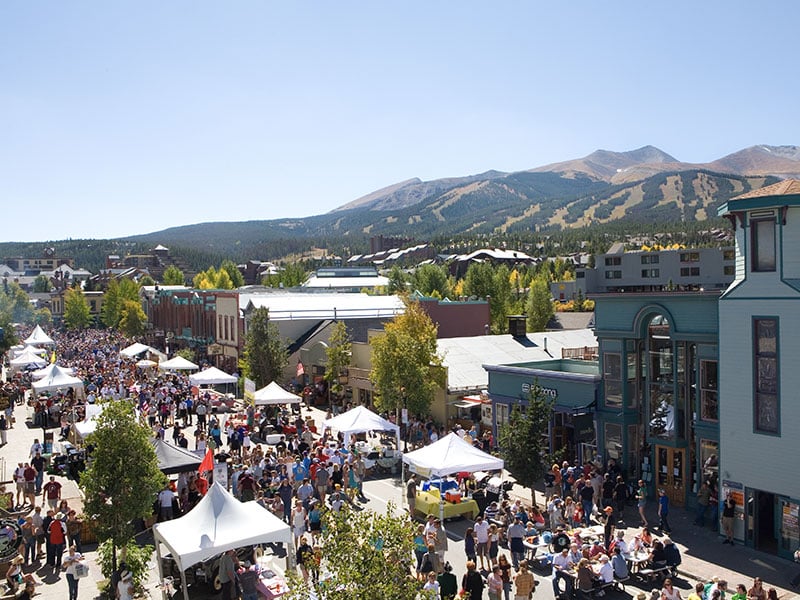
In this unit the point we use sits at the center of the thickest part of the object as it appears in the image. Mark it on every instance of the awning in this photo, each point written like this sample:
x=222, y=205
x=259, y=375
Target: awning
x=467, y=403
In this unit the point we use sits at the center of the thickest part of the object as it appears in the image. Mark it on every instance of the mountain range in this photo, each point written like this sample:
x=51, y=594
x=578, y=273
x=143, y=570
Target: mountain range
x=646, y=185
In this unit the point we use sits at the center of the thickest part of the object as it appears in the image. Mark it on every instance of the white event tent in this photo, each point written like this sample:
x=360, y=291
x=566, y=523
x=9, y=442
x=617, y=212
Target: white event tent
x=211, y=376
x=48, y=371
x=177, y=363
x=275, y=394
x=218, y=523
x=28, y=358
x=38, y=338
x=134, y=350
x=59, y=379
x=449, y=455
x=360, y=420
x=89, y=423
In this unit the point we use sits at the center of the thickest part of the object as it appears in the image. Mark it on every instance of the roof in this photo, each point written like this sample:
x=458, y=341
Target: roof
x=571, y=320
x=464, y=357
x=298, y=306
x=785, y=193
x=346, y=282
x=496, y=254
x=788, y=187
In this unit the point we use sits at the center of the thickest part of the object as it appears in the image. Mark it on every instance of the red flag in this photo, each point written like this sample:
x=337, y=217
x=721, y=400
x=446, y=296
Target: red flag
x=208, y=462
x=300, y=369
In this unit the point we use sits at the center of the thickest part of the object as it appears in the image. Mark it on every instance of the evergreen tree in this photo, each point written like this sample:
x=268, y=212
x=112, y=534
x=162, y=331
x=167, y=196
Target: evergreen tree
x=523, y=440
x=265, y=354
x=42, y=285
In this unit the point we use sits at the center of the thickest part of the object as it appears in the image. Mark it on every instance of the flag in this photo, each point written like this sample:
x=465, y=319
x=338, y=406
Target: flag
x=300, y=369
x=208, y=462
x=53, y=357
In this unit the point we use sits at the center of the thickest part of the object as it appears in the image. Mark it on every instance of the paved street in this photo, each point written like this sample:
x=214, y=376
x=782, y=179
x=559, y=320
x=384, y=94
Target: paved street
x=704, y=556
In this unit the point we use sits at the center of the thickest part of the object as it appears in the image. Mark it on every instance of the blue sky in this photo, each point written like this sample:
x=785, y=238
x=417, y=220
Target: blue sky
x=118, y=118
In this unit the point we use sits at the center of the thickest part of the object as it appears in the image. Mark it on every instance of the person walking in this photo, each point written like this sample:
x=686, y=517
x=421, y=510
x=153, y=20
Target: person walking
x=71, y=562
x=524, y=583
x=641, y=502
x=703, y=495
x=663, y=511
x=728, y=514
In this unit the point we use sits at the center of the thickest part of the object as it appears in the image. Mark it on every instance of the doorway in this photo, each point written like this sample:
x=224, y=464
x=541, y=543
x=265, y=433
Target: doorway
x=765, y=523
x=671, y=473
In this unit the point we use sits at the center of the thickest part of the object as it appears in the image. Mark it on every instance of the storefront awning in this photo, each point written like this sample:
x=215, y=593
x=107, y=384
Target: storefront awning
x=467, y=403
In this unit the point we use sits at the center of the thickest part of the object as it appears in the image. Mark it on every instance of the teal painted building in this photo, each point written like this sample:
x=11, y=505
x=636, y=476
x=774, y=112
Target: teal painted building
x=573, y=385
x=658, y=410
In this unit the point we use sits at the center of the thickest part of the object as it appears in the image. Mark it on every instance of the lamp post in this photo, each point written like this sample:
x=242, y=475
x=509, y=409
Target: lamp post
x=405, y=424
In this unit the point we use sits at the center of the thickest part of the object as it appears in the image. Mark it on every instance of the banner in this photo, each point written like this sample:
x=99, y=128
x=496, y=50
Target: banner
x=249, y=389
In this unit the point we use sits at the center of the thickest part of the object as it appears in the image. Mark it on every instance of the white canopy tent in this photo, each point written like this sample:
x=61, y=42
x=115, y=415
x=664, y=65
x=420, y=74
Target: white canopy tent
x=48, y=371
x=89, y=423
x=218, y=523
x=27, y=358
x=59, y=379
x=17, y=350
x=134, y=350
x=360, y=420
x=449, y=455
x=275, y=394
x=146, y=363
x=39, y=338
x=177, y=363
x=211, y=376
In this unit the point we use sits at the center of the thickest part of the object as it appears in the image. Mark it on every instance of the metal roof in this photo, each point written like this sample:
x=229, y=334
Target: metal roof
x=300, y=306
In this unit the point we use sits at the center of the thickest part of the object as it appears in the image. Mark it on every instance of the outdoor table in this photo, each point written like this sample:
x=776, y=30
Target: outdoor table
x=271, y=586
x=637, y=560
x=533, y=548
x=428, y=504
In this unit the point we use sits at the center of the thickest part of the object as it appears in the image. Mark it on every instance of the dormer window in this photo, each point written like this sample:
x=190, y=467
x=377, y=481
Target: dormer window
x=762, y=243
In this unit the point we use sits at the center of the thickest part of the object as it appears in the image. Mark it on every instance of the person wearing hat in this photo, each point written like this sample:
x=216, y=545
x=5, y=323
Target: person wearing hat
x=605, y=571
x=125, y=585
x=609, y=525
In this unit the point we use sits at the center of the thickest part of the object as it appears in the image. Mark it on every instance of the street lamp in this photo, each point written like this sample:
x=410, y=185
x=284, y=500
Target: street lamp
x=405, y=424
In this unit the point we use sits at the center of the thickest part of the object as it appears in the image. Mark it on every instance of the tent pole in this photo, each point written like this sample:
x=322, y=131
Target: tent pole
x=160, y=570
x=184, y=585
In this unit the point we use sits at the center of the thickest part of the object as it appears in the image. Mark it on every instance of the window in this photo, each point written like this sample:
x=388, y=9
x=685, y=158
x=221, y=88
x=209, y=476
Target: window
x=690, y=256
x=613, y=440
x=709, y=400
x=650, y=259
x=762, y=242
x=765, y=367
x=613, y=261
x=580, y=275
x=729, y=255
x=650, y=273
x=612, y=378
x=729, y=270
x=613, y=274
x=690, y=271
x=502, y=412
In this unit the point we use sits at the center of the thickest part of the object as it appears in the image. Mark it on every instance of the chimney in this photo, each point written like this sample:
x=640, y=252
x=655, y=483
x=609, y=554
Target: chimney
x=517, y=325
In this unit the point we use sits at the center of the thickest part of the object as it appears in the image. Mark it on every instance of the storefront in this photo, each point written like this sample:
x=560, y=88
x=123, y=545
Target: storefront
x=573, y=386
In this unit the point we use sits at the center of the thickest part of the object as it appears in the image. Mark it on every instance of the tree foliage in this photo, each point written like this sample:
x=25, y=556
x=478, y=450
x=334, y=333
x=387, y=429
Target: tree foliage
x=122, y=480
x=432, y=280
x=133, y=320
x=118, y=292
x=213, y=279
x=235, y=275
x=42, y=284
x=173, y=276
x=265, y=354
x=338, y=354
x=365, y=555
x=291, y=275
x=482, y=280
x=398, y=280
x=77, y=314
x=406, y=368
x=523, y=440
x=539, y=306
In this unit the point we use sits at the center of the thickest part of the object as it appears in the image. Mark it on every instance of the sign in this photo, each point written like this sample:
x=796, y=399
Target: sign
x=421, y=471
x=10, y=538
x=551, y=392
x=221, y=474
x=584, y=428
x=736, y=491
x=249, y=389
x=214, y=349
x=404, y=416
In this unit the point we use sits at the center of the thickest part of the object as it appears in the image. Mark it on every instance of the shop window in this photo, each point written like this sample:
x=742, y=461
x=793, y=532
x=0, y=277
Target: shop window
x=612, y=378
x=613, y=442
x=762, y=244
x=709, y=399
x=501, y=413
x=661, y=397
x=709, y=460
x=765, y=366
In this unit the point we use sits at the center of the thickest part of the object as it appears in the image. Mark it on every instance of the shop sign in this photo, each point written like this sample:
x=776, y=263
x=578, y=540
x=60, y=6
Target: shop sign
x=584, y=427
x=551, y=392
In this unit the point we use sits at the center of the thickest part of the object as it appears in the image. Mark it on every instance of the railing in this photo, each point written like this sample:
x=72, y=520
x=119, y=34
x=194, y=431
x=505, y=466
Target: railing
x=583, y=353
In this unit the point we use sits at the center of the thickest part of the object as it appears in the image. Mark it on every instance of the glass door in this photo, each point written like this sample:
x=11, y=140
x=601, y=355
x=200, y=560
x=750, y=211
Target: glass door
x=671, y=474
x=788, y=525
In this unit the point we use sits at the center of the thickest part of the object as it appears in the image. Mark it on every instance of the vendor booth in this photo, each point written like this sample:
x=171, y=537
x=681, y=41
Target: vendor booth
x=360, y=420
x=173, y=459
x=28, y=359
x=445, y=457
x=59, y=379
x=177, y=364
x=274, y=394
x=218, y=523
x=39, y=338
x=212, y=376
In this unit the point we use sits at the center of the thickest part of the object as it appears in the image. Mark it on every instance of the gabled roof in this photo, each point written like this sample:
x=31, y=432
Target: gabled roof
x=788, y=187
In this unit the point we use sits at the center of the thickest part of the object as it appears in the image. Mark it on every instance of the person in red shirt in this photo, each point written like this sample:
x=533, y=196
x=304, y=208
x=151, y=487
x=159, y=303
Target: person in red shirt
x=58, y=537
x=52, y=492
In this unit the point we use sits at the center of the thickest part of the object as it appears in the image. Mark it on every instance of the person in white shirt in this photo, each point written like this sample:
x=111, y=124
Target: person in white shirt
x=481, y=529
x=605, y=571
x=562, y=564
x=432, y=584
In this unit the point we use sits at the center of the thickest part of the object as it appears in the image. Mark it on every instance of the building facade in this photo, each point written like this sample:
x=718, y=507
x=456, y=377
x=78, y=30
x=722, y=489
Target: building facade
x=759, y=343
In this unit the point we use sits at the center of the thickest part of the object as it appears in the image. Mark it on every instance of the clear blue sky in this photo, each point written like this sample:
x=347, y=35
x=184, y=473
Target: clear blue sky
x=123, y=117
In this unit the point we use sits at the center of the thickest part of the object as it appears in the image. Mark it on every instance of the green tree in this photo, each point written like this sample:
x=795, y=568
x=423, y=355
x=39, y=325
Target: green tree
x=133, y=320
x=42, y=285
x=406, y=368
x=123, y=478
x=77, y=314
x=398, y=280
x=523, y=440
x=43, y=317
x=482, y=280
x=291, y=275
x=146, y=280
x=338, y=355
x=432, y=280
x=235, y=275
x=367, y=555
x=580, y=301
x=265, y=354
x=119, y=292
x=539, y=306
x=173, y=276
